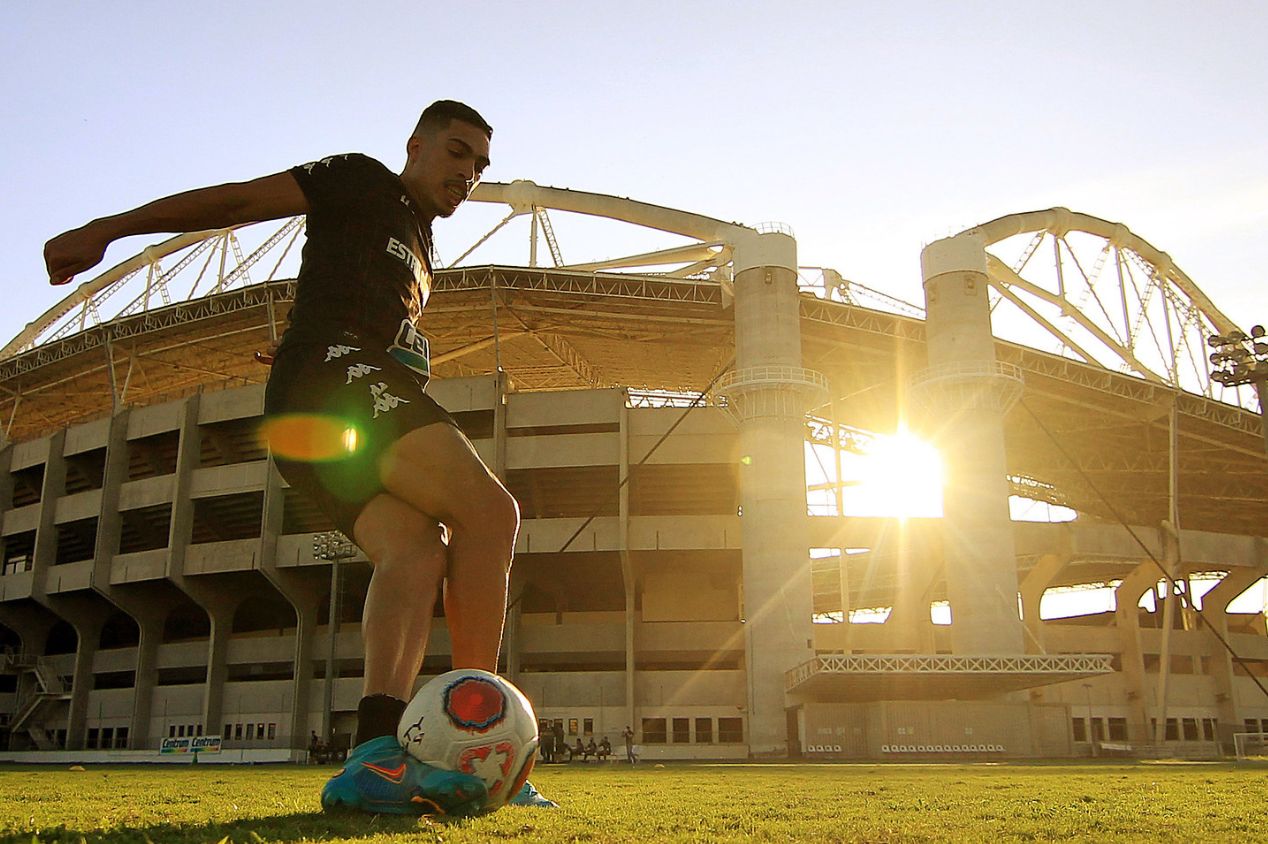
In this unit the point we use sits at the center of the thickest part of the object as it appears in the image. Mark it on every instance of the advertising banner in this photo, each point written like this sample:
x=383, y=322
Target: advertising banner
x=191, y=744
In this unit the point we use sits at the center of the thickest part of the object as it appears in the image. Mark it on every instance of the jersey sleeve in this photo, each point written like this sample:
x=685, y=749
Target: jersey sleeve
x=335, y=181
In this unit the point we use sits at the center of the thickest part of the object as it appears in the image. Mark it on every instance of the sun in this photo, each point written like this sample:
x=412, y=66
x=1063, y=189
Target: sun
x=897, y=475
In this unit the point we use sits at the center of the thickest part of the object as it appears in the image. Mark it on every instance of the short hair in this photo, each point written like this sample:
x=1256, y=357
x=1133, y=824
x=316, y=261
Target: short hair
x=438, y=115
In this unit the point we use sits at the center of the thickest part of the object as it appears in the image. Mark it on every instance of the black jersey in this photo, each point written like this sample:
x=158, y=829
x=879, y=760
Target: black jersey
x=366, y=265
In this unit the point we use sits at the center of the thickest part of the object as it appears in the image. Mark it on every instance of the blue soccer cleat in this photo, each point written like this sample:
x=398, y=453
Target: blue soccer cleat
x=382, y=778
x=529, y=796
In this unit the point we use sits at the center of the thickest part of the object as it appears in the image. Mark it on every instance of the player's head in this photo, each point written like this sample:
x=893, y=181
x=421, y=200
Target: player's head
x=445, y=156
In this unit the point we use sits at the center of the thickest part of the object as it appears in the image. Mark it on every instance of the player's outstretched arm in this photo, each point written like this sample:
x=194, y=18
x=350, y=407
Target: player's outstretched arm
x=217, y=207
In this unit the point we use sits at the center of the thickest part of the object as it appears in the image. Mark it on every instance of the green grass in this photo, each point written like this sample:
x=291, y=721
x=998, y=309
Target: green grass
x=988, y=802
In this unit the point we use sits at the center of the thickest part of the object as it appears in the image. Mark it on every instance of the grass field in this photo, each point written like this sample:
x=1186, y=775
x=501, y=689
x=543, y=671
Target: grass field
x=988, y=802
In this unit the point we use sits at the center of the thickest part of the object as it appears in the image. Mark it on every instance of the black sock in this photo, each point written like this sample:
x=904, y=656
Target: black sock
x=378, y=715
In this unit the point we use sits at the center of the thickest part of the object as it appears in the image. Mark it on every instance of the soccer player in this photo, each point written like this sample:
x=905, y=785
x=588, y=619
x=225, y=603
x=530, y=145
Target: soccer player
x=350, y=425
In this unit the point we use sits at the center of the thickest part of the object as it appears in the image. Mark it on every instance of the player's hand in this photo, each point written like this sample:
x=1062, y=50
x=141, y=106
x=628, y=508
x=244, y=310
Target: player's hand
x=72, y=252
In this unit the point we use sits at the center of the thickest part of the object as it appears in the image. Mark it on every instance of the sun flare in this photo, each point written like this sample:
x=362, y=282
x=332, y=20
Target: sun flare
x=898, y=475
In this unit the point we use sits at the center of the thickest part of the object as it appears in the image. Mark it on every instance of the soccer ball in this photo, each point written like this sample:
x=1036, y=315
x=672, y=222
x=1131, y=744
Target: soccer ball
x=474, y=722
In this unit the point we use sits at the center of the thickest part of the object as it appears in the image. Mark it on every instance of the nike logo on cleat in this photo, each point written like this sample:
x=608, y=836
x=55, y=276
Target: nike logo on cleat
x=392, y=775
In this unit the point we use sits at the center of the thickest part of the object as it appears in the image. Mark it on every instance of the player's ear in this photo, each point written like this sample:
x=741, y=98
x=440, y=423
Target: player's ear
x=412, y=146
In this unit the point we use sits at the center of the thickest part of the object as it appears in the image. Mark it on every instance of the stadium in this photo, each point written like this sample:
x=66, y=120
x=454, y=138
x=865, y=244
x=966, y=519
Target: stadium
x=677, y=426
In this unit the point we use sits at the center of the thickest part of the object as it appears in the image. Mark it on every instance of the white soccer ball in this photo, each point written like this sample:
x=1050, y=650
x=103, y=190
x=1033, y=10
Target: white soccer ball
x=474, y=722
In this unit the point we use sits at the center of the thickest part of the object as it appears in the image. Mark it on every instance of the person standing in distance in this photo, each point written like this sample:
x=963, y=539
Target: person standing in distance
x=350, y=425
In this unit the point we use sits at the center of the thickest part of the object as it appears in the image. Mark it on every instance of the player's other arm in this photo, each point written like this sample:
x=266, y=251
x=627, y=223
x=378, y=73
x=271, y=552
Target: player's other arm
x=217, y=207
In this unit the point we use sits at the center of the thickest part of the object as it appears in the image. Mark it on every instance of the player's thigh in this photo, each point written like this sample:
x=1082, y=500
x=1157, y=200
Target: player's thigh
x=387, y=528
x=437, y=470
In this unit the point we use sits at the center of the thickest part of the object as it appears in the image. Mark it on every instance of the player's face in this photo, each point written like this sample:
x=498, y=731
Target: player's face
x=445, y=166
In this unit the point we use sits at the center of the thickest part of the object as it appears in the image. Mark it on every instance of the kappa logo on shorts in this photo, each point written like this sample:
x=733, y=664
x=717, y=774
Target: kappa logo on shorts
x=383, y=400
x=359, y=369
x=333, y=352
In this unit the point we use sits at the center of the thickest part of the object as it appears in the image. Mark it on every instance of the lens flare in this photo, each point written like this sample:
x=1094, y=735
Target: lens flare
x=310, y=438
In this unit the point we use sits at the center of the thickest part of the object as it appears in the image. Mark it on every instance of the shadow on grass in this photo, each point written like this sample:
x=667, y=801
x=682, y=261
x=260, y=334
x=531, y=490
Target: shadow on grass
x=305, y=826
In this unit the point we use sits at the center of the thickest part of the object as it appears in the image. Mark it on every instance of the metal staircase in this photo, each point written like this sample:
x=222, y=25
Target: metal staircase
x=46, y=689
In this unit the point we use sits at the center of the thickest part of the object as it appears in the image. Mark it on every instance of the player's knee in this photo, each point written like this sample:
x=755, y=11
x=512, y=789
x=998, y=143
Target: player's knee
x=403, y=538
x=502, y=515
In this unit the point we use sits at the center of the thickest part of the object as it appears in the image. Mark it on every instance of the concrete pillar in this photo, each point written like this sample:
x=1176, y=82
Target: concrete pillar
x=218, y=606
x=627, y=569
x=968, y=393
x=769, y=392
x=145, y=680
x=907, y=549
x=54, y=486
x=1215, y=609
x=1132, y=650
x=89, y=632
x=512, y=639
x=303, y=593
x=1036, y=582
x=137, y=602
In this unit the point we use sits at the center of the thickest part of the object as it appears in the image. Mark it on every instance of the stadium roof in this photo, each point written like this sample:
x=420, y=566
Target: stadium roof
x=1091, y=430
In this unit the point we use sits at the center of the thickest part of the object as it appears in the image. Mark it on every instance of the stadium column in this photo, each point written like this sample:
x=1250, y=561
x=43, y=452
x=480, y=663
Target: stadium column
x=1131, y=650
x=627, y=565
x=32, y=622
x=908, y=548
x=144, y=610
x=1215, y=610
x=79, y=608
x=511, y=633
x=969, y=393
x=218, y=605
x=304, y=596
x=769, y=393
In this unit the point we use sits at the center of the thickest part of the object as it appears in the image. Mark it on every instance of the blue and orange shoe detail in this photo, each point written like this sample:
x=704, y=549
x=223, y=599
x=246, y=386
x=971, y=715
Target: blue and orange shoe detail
x=381, y=778
x=529, y=796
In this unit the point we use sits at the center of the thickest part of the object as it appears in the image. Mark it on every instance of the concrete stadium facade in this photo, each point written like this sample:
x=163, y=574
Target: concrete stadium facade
x=159, y=578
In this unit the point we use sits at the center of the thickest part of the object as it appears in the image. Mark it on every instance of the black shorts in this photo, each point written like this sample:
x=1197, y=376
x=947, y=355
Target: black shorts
x=332, y=407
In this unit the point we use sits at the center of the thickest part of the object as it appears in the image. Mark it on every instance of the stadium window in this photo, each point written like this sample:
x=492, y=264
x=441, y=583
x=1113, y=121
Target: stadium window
x=1098, y=729
x=1173, y=729
x=121, y=737
x=730, y=730
x=682, y=731
x=704, y=731
x=200, y=730
x=1080, y=729
x=1209, y=729
x=259, y=731
x=228, y=733
x=1190, y=726
x=1263, y=726
x=60, y=738
x=107, y=738
x=93, y=738
x=272, y=731
x=180, y=731
x=171, y=731
x=237, y=732
x=572, y=726
x=250, y=732
x=587, y=726
x=653, y=731
x=1118, y=729
x=1252, y=726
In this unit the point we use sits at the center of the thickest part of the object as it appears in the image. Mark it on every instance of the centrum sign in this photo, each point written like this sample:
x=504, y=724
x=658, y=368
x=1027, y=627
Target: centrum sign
x=191, y=744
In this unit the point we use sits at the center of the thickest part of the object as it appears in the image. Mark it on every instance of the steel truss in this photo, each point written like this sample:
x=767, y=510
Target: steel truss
x=948, y=664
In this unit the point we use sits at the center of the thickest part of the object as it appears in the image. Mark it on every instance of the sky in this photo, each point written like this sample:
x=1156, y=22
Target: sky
x=871, y=129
